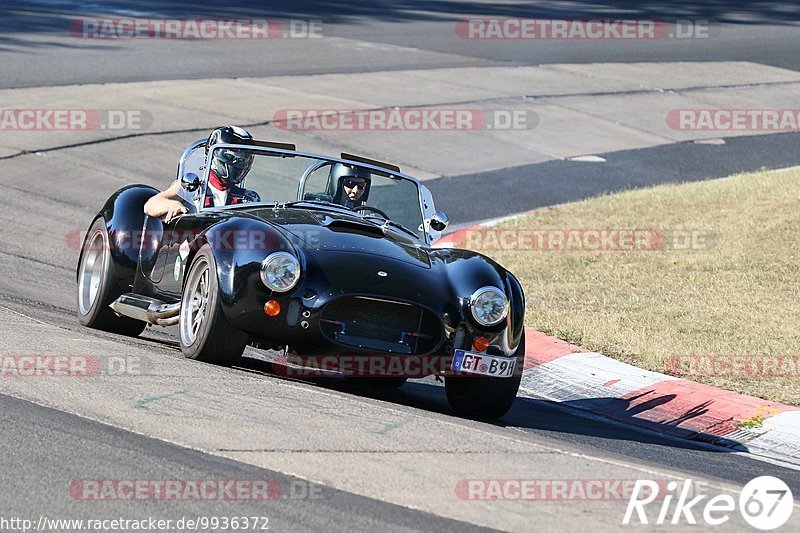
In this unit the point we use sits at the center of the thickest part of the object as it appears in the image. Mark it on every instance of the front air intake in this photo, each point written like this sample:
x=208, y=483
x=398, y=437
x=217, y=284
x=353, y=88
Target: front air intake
x=381, y=325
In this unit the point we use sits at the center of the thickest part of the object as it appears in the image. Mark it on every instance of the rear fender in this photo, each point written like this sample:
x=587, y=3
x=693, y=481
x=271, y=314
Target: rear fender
x=124, y=216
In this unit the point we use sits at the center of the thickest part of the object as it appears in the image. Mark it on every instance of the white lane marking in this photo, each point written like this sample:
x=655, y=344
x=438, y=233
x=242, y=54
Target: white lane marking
x=587, y=159
x=713, y=142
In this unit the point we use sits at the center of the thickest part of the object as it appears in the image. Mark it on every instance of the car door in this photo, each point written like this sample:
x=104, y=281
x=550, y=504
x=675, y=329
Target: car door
x=158, y=245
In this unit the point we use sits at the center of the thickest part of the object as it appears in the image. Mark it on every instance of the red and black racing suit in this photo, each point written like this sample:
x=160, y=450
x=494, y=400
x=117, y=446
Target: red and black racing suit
x=236, y=195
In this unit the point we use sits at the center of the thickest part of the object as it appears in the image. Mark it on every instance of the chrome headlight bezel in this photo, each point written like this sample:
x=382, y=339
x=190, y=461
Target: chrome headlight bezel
x=273, y=260
x=474, y=300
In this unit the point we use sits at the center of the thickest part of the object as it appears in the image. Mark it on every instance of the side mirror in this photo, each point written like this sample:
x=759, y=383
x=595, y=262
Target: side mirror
x=190, y=182
x=439, y=221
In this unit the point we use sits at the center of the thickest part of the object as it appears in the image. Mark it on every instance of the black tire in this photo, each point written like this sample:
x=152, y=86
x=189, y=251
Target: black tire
x=211, y=338
x=483, y=397
x=98, y=286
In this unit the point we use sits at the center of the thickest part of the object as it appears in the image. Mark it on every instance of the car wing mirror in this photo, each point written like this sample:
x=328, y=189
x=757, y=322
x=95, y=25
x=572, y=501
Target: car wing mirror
x=439, y=221
x=190, y=182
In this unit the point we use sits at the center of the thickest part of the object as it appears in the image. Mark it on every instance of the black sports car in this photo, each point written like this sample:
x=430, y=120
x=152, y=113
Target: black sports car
x=298, y=262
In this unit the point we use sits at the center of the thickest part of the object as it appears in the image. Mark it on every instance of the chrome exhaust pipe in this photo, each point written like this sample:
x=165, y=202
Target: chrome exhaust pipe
x=146, y=309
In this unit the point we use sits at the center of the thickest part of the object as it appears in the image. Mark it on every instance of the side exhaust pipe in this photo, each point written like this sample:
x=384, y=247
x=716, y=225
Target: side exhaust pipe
x=147, y=309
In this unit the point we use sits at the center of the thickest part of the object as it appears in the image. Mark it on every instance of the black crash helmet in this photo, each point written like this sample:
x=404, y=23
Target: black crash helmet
x=230, y=165
x=340, y=173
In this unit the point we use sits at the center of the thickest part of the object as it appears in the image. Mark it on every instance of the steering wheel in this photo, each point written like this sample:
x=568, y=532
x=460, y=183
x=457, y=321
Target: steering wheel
x=372, y=209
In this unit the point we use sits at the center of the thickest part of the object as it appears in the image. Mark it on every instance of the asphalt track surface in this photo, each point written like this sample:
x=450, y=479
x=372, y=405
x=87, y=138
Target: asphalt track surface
x=520, y=189
x=68, y=446
x=45, y=446
x=36, y=47
x=45, y=450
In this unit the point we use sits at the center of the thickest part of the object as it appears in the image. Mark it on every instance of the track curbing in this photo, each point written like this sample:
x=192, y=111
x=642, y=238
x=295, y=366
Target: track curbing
x=581, y=379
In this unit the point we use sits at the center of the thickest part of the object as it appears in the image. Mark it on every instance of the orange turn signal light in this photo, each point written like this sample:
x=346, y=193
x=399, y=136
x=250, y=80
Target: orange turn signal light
x=272, y=308
x=480, y=343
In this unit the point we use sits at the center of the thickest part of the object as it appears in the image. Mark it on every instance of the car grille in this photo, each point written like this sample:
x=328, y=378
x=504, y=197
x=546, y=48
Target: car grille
x=381, y=325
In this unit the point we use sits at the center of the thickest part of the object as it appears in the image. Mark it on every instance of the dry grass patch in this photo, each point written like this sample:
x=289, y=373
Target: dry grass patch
x=737, y=295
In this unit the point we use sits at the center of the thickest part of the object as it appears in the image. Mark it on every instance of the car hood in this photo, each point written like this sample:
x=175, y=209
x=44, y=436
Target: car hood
x=321, y=232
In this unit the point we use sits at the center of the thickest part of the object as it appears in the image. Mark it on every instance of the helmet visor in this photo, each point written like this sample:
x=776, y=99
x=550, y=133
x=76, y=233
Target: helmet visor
x=233, y=164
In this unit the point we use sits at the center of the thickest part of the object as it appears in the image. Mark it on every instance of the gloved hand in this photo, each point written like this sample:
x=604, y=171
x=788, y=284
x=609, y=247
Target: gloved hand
x=251, y=196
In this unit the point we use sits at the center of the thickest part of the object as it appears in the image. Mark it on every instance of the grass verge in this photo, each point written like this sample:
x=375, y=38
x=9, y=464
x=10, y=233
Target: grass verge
x=709, y=288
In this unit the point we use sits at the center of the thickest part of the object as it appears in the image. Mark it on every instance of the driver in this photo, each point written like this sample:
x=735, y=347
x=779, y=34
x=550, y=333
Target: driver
x=352, y=184
x=229, y=167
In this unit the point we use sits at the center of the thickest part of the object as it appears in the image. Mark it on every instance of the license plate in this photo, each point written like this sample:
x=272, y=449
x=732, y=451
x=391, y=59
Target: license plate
x=482, y=364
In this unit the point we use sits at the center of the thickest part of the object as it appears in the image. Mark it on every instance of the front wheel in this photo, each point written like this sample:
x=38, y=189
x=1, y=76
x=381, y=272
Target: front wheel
x=485, y=397
x=205, y=332
x=98, y=286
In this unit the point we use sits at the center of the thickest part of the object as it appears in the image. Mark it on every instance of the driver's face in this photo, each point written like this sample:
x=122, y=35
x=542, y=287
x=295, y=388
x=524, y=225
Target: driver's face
x=354, y=187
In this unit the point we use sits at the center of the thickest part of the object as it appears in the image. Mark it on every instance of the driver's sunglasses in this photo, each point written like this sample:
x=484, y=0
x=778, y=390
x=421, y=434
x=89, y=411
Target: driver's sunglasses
x=352, y=184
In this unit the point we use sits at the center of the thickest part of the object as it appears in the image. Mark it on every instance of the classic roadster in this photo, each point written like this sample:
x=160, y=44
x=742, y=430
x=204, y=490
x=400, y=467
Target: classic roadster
x=298, y=267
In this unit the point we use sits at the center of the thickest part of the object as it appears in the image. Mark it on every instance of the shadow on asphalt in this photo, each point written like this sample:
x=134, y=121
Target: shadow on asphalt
x=526, y=413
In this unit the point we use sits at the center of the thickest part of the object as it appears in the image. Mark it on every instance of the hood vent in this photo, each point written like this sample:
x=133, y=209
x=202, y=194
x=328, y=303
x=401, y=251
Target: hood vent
x=341, y=224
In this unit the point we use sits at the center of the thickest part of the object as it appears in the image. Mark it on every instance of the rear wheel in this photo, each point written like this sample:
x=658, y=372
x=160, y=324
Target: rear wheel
x=482, y=396
x=205, y=332
x=98, y=287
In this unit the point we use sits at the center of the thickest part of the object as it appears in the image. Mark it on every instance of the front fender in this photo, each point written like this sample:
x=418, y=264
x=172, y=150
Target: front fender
x=516, y=312
x=468, y=271
x=239, y=246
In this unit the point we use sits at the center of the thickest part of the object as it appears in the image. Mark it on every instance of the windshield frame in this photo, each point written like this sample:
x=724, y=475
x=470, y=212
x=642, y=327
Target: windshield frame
x=321, y=159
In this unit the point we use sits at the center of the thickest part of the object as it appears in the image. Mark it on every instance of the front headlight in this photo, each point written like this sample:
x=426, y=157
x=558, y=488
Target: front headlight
x=489, y=306
x=280, y=271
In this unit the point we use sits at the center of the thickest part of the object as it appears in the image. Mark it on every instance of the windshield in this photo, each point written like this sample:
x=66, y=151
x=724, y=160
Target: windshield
x=268, y=177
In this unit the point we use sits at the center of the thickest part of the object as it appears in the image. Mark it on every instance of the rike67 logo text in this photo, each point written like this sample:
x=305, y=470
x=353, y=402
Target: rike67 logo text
x=765, y=503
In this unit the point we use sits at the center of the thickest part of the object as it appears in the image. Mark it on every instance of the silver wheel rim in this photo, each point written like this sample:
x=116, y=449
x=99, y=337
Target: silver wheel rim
x=195, y=302
x=91, y=272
